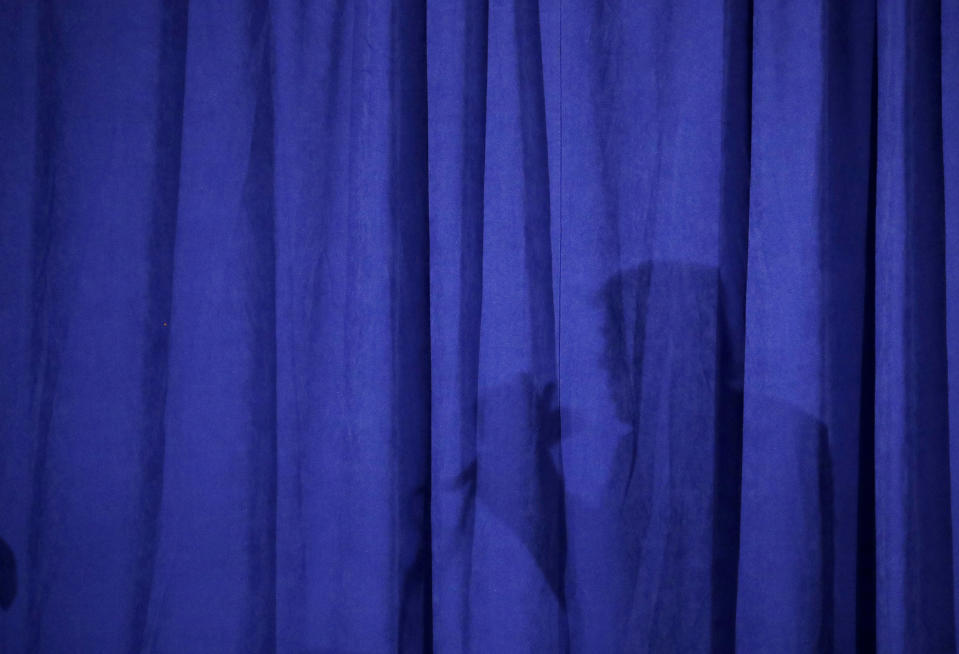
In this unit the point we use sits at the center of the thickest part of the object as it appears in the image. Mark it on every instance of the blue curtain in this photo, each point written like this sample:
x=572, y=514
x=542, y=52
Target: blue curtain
x=368, y=326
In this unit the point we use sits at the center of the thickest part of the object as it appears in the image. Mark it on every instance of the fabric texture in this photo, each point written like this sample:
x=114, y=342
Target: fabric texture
x=360, y=326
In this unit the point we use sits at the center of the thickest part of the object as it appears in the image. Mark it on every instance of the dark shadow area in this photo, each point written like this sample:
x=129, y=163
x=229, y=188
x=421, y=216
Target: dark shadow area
x=8, y=576
x=625, y=298
x=665, y=539
x=410, y=317
x=845, y=193
x=866, y=507
x=674, y=368
x=929, y=566
x=827, y=548
x=673, y=362
x=731, y=322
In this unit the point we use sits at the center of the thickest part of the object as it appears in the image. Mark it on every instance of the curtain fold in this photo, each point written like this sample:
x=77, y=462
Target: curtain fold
x=487, y=325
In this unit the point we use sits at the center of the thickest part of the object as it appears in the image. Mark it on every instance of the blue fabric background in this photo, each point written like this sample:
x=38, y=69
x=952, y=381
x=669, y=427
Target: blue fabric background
x=479, y=326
